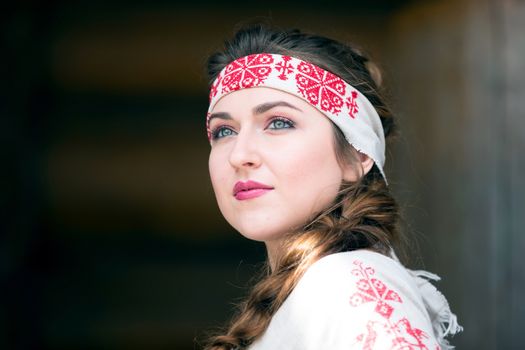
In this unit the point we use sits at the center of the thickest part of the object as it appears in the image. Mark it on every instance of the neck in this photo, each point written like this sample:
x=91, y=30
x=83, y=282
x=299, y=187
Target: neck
x=272, y=249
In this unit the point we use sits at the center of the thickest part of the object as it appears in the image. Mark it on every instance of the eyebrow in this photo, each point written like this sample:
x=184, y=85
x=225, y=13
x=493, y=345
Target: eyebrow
x=269, y=105
x=259, y=109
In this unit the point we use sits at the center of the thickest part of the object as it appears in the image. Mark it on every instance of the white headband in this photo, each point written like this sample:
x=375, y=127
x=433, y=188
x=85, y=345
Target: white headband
x=340, y=102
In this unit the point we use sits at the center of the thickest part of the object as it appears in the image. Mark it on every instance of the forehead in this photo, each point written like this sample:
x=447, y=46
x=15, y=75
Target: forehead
x=248, y=98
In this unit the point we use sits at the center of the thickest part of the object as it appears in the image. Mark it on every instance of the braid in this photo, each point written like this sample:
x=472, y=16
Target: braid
x=364, y=214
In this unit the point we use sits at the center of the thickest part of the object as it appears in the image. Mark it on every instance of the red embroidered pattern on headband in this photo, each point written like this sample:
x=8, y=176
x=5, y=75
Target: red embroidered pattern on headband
x=352, y=104
x=215, y=87
x=321, y=88
x=285, y=68
x=246, y=72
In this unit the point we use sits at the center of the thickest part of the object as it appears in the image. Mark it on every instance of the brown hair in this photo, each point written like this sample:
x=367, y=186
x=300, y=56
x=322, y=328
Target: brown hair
x=363, y=216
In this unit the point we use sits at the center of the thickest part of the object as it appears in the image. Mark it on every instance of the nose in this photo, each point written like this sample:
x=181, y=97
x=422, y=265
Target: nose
x=245, y=152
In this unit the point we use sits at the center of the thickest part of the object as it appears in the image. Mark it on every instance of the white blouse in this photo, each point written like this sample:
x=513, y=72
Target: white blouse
x=361, y=300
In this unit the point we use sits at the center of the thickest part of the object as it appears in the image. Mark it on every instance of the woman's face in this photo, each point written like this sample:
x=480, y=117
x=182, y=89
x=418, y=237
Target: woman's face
x=272, y=162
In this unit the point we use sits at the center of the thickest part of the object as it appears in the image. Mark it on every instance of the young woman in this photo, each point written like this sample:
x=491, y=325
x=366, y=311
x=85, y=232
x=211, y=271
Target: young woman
x=297, y=130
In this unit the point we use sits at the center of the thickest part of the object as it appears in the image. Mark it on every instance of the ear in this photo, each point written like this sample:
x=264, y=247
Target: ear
x=351, y=173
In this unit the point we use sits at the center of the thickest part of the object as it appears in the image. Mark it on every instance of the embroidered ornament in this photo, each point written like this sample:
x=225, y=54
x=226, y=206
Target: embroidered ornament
x=398, y=330
x=344, y=105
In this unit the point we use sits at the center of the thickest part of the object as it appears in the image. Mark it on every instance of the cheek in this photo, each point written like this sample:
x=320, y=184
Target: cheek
x=311, y=172
x=316, y=155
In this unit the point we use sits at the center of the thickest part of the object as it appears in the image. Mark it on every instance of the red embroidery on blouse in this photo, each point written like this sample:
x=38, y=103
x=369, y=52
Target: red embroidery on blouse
x=400, y=333
x=246, y=72
x=321, y=88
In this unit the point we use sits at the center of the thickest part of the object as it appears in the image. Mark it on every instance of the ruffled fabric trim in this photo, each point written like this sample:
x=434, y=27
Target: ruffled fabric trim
x=444, y=322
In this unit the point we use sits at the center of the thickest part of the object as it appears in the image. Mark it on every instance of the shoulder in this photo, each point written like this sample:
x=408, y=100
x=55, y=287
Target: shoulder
x=365, y=281
x=349, y=300
x=345, y=266
x=362, y=271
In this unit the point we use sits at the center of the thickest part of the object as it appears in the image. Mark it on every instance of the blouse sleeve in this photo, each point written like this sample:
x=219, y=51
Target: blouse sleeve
x=352, y=300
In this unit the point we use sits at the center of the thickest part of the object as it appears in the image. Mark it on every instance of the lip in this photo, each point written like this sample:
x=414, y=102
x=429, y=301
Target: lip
x=250, y=189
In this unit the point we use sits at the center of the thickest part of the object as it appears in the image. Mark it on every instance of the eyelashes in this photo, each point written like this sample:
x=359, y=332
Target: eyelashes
x=221, y=132
x=281, y=123
x=276, y=123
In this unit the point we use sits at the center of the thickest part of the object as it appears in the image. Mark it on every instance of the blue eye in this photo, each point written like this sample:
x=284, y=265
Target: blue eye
x=222, y=132
x=280, y=123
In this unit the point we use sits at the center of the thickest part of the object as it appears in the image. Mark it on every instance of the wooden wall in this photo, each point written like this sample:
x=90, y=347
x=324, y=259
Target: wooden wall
x=460, y=82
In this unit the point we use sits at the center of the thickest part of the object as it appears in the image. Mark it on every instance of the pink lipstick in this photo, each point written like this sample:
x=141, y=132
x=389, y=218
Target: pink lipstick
x=250, y=189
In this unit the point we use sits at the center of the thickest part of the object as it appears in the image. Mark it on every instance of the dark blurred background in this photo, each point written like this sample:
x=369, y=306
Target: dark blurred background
x=110, y=233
